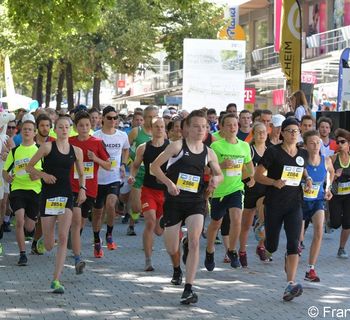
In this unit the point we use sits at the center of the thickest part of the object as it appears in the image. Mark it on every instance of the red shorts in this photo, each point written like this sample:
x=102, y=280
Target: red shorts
x=152, y=199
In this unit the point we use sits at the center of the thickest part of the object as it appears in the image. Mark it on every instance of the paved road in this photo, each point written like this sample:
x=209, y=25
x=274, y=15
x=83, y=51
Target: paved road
x=116, y=287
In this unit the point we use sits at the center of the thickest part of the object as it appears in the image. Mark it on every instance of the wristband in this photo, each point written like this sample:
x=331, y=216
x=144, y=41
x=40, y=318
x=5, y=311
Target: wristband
x=84, y=188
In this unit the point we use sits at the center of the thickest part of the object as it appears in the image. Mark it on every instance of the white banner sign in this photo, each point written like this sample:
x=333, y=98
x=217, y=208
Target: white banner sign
x=346, y=84
x=214, y=74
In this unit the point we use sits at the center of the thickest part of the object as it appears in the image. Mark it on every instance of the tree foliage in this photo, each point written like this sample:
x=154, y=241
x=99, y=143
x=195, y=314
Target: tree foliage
x=92, y=37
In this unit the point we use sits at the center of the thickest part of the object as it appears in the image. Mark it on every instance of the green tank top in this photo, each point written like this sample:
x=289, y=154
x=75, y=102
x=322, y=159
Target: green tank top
x=141, y=138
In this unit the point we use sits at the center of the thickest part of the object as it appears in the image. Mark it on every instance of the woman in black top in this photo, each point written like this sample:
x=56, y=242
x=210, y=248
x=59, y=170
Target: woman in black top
x=285, y=166
x=56, y=197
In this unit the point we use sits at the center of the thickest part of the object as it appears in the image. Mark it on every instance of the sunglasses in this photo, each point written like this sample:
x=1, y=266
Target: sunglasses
x=112, y=118
x=11, y=127
x=341, y=142
x=292, y=130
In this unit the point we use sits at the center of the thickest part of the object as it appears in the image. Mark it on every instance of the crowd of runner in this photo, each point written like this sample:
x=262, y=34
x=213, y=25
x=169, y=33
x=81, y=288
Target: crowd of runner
x=248, y=171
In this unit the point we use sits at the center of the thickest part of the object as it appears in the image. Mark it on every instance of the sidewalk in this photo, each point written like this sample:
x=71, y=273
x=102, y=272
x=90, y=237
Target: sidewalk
x=116, y=287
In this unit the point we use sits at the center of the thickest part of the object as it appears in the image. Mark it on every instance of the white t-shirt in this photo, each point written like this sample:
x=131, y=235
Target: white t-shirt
x=115, y=143
x=300, y=112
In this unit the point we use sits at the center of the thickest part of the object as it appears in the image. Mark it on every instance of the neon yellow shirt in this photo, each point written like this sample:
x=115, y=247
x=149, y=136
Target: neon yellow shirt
x=239, y=153
x=16, y=162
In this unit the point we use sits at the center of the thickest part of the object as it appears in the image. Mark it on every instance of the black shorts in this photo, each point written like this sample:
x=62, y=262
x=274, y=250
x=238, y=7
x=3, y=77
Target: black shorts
x=178, y=211
x=27, y=200
x=252, y=195
x=103, y=191
x=86, y=206
x=219, y=206
x=43, y=198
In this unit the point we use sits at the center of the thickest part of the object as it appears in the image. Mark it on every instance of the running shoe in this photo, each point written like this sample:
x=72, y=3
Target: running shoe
x=342, y=254
x=292, y=291
x=189, y=297
x=177, y=278
x=7, y=227
x=217, y=240
x=268, y=255
x=184, y=249
x=243, y=259
x=57, y=287
x=125, y=219
x=209, y=261
x=148, y=266
x=135, y=216
x=130, y=231
x=261, y=252
x=111, y=245
x=234, y=259
x=226, y=259
x=40, y=246
x=79, y=267
x=312, y=276
x=98, y=251
x=35, y=250
x=22, y=260
x=1, y=250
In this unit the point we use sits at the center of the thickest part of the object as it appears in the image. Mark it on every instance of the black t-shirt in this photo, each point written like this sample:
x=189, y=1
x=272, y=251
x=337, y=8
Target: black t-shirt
x=280, y=165
x=242, y=135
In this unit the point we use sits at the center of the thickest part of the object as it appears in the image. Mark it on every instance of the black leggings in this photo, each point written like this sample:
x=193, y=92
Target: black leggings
x=292, y=217
x=339, y=210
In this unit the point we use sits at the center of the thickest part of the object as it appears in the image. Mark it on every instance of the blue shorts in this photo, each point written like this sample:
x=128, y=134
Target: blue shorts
x=219, y=206
x=311, y=207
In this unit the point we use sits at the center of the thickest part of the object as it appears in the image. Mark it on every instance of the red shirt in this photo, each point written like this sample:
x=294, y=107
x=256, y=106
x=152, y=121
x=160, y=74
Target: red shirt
x=90, y=168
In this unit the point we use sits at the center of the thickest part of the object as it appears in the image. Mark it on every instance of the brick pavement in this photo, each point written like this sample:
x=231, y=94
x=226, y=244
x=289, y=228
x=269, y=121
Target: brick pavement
x=116, y=287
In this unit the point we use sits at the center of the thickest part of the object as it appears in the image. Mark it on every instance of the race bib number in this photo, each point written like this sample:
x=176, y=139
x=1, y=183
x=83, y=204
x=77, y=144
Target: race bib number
x=188, y=182
x=88, y=170
x=55, y=206
x=312, y=193
x=343, y=188
x=292, y=175
x=236, y=169
x=20, y=166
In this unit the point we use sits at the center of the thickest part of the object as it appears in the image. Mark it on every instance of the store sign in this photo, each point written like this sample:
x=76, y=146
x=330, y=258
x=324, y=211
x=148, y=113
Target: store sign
x=121, y=83
x=309, y=77
x=234, y=16
x=249, y=95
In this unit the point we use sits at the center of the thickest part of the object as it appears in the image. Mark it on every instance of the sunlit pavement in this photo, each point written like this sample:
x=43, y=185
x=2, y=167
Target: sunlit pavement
x=116, y=287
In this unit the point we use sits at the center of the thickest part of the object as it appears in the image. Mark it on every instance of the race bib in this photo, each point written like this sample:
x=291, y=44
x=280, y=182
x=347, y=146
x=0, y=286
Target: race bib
x=236, y=169
x=20, y=166
x=343, y=188
x=55, y=206
x=88, y=170
x=113, y=163
x=312, y=193
x=188, y=182
x=292, y=175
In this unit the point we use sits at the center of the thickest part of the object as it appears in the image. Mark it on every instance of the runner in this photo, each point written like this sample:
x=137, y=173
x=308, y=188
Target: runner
x=137, y=136
x=234, y=157
x=185, y=195
x=245, y=119
x=56, y=203
x=285, y=165
x=340, y=203
x=318, y=167
x=25, y=188
x=94, y=156
x=43, y=124
x=253, y=198
x=152, y=192
x=109, y=181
